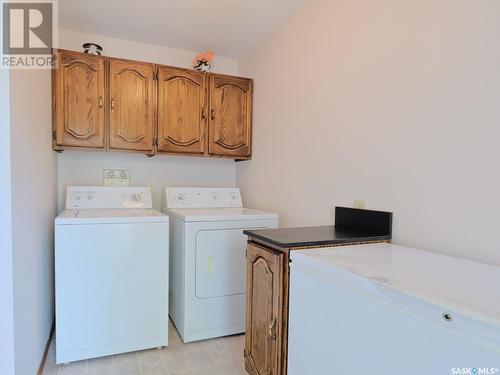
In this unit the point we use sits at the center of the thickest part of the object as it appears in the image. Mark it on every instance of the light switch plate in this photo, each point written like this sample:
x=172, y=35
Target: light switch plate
x=116, y=177
x=358, y=203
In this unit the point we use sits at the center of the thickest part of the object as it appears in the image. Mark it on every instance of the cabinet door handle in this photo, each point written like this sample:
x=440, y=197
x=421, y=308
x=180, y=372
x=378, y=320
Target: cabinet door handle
x=271, y=330
x=203, y=114
x=212, y=114
x=101, y=102
x=112, y=104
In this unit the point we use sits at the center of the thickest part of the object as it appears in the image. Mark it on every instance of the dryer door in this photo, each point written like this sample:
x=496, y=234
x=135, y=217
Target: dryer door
x=220, y=262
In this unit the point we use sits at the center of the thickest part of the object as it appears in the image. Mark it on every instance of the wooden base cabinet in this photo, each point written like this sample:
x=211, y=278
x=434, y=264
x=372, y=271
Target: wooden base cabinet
x=263, y=339
x=268, y=277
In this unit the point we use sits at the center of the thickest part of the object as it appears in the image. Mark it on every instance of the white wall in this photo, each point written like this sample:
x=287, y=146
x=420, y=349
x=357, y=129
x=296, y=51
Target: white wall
x=394, y=102
x=6, y=287
x=86, y=168
x=34, y=204
x=126, y=49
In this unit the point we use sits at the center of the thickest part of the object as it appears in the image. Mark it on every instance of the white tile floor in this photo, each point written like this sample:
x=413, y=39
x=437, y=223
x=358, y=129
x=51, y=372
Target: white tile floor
x=221, y=356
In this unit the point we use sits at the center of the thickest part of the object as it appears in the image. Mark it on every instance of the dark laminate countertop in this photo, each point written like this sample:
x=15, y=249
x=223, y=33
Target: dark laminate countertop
x=315, y=236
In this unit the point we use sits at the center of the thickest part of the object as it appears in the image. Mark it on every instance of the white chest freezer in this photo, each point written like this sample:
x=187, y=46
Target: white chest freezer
x=384, y=309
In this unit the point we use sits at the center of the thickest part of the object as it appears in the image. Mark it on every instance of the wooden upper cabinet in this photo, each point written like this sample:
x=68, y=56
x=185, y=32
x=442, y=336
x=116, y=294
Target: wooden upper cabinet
x=182, y=111
x=263, y=334
x=131, y=105
x=230, y=116
x=78, y=100
x=110, y=103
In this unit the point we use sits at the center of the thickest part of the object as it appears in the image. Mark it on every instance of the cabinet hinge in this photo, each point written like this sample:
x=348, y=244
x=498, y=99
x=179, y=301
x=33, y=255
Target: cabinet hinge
x=54, y=135
x=155, y=142
x=155, y=76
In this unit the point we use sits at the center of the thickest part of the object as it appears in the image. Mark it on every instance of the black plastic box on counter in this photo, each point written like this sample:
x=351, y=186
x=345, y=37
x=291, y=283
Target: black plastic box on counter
x=352, y=225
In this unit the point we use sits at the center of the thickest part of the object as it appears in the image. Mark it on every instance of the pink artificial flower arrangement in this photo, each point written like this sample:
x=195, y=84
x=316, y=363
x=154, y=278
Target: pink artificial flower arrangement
x=202, y=61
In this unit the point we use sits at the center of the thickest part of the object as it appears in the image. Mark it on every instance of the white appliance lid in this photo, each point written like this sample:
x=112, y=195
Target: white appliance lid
x=110, y=216
x=220, y=214
x=451, y=282
x=106, y=197
x=201, y=197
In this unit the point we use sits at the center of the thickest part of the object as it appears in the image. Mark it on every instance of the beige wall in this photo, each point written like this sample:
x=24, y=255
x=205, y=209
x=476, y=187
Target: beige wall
x=34, y=204
x=6, y=286
x=73, y=40
x=393, y=102
x=86, y=168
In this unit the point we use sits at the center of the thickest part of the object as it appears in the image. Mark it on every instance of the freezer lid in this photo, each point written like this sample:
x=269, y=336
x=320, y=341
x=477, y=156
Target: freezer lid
x=110, y=216
x=220, y=214
x=462, y=285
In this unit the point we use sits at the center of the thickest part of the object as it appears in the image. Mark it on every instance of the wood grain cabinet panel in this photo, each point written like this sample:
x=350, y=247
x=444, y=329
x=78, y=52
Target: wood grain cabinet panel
x=182, y=111
x=263, y=322
x=104, y=102
x=230, y=116
x=268, y=285
x=131, y=105
x=78, y=100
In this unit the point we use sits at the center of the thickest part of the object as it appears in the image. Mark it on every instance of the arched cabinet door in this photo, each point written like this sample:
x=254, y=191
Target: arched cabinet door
x=78, y=100
x=131, y=106
x=182, y=111
x=263, y=335
x=230, y=116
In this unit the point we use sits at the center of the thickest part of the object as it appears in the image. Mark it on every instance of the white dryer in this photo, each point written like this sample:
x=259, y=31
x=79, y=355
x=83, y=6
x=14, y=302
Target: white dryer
x=111, y=266
x=207, y=259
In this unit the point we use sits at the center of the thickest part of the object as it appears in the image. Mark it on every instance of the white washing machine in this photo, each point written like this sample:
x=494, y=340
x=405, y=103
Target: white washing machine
x=207, y=259
x=111, y=266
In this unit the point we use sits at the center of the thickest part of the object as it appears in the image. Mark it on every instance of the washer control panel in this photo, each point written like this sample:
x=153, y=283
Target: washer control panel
x=101, y=197
x=202, y=197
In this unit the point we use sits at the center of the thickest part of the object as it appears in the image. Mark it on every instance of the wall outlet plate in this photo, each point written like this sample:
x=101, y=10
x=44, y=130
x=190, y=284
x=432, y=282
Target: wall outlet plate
x=116, y=178
x=358, y=203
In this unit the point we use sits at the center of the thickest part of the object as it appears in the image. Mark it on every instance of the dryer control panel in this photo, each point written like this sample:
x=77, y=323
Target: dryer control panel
x=176, y=197
x=102, y=197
